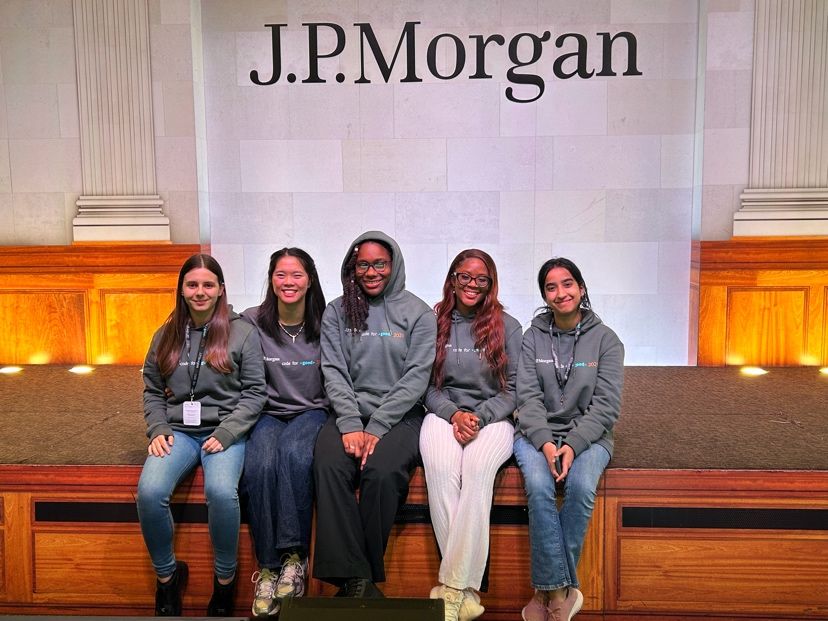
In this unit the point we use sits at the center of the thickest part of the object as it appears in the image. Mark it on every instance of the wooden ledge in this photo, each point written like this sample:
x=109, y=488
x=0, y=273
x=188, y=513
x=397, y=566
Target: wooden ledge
x=97, y=258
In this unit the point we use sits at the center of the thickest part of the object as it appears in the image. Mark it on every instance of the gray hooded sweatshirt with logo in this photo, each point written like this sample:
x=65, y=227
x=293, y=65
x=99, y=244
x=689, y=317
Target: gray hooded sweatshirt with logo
x=592, y=395
x=374, y=377
x=468, y=381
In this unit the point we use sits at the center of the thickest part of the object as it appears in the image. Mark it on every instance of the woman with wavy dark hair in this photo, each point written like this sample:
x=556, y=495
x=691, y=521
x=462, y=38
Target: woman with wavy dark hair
x=203, y=390
x=278, y=474
x=570, y=376
x=469, y=431
x=377, y=351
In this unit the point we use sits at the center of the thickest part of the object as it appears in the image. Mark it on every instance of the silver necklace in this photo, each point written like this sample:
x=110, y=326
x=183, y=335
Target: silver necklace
x=292, y=336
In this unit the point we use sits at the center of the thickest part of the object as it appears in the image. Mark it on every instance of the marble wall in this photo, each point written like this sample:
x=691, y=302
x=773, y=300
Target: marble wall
x=609, y=171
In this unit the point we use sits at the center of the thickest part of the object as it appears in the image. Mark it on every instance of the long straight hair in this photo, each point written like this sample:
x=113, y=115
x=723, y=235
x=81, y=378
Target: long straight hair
x=314, y=298
x=487, y=327
x=175, y=327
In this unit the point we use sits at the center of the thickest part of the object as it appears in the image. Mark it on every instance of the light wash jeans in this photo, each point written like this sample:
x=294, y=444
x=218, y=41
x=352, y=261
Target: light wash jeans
x=160, y=477
x=556, y=537
x=278, y=481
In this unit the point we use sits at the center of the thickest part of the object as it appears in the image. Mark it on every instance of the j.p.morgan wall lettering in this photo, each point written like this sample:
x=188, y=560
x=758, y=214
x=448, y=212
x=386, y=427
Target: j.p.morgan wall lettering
x=570, y=61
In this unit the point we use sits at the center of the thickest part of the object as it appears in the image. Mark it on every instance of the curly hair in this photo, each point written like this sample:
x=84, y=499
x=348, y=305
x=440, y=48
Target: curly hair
x=354, y=300
x=172, y=336
x=487, y=326
x=314, y=298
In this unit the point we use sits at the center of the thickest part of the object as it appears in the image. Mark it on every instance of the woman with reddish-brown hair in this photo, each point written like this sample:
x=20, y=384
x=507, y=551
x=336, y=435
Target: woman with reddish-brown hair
x=469, y=430
x=204, y=387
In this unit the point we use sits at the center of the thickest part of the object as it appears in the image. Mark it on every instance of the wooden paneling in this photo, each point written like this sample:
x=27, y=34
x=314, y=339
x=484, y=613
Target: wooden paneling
x=662, y=574
x=129, y=318
x=97, y=304
x=682, y=570
x=767, y=326
x=74, y=566
x=748, y=569
x=42, y=327
x=763, y=301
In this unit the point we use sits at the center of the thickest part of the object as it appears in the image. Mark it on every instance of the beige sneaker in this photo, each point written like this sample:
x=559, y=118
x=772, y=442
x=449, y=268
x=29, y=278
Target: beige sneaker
x=452, y=601
x=470, y=608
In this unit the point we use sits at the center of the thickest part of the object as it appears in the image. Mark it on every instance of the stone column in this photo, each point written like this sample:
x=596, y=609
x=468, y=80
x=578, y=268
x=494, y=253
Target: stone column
x=788, y=188
x=112, y=52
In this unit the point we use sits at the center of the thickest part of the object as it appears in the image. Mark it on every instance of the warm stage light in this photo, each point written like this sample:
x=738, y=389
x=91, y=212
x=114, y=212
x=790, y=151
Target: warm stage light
x=752, y=371
x=81, y=369
x=824, y=370
x=10, y=370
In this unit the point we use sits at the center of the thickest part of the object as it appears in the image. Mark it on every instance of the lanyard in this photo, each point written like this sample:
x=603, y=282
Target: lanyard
x=562, y=375
x=199, y=357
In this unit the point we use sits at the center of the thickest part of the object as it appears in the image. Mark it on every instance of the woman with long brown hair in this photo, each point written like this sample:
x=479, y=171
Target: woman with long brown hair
x=203, y=390
x=469, y=431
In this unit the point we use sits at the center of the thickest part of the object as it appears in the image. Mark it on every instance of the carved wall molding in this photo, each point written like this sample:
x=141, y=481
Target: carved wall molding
x=788, y=182
x=112, y=52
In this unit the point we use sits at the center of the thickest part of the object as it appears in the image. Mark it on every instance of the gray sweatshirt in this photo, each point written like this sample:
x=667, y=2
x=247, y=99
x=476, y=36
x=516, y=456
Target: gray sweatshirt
x=592, y=395
x=468, y=381
x=374, y=378
x=230, y=403
x=293, y=373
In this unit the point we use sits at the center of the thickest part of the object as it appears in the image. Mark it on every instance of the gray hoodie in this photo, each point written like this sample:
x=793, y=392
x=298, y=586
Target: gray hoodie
x=374, y=378
x=468, y=381
x=230, y=403
x=592, y=395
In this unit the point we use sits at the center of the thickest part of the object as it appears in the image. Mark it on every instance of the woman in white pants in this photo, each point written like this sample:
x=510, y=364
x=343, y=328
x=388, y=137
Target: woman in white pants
x=468, y=432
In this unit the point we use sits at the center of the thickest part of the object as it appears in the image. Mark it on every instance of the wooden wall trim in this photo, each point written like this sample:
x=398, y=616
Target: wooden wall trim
x=768, y=253
x=97, y=258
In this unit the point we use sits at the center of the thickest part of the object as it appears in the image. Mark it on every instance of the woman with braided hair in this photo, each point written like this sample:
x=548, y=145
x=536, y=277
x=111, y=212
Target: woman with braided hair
x=377, y=349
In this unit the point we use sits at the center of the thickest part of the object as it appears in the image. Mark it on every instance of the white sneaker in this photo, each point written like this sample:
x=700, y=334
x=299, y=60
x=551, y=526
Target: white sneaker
x=470, y=608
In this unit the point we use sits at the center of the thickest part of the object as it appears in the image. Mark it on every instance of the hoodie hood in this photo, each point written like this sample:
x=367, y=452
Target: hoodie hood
x=588, y=321
x=396, y=282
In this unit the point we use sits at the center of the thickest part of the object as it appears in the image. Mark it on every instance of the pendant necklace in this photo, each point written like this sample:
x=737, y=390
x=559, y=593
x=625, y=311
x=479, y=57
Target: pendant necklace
x=292, y=336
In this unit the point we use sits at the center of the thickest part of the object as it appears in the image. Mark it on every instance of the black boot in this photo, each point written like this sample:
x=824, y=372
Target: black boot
x=221, y=604
x=168, y=594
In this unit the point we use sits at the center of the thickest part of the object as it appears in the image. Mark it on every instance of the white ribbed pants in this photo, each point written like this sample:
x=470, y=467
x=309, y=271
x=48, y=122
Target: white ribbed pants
x=460, y=481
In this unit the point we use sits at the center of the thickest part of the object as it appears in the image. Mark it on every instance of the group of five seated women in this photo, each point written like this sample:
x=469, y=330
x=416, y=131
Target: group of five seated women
x=293, y=400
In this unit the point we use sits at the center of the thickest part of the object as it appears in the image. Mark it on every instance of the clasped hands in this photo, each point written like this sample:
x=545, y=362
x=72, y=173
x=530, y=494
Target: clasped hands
x=558, y=459
x=466, y=426
x=359, y=445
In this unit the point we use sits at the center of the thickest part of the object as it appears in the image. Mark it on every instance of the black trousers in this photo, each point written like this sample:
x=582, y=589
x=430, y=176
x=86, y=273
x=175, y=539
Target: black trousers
x=351, y=534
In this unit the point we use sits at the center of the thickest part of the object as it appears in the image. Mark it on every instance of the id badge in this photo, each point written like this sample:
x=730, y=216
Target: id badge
x=192, y=413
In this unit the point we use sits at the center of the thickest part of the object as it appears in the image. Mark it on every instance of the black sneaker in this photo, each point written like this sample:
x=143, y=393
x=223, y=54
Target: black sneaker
x=359, y=587
x=168, y=594
x=221, y=603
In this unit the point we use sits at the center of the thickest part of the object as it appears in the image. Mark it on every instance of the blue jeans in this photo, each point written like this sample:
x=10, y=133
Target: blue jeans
x=556, y=537
x=160, y=477
x=278, y=479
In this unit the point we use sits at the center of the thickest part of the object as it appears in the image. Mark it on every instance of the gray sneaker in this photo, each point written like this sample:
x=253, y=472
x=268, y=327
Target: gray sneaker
x=291, y=581
x=265, y=603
